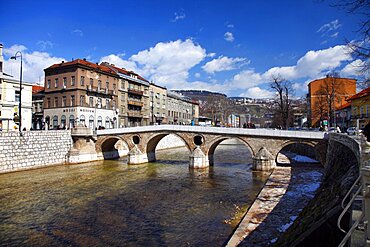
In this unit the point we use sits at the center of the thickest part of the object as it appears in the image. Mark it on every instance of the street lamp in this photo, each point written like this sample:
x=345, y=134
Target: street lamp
x=19, y=54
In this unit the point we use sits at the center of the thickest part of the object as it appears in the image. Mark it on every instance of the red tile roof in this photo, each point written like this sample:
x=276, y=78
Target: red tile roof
x=126, y=72
x=361, y=94
x=346, y=105
x=85, y=63
x=36, y=89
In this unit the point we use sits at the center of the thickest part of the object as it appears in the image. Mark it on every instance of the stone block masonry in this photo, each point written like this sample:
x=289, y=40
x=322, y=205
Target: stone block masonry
x=33, y=149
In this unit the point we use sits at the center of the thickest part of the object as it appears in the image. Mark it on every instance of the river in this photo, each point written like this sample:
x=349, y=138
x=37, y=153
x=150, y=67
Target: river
x=110, y=203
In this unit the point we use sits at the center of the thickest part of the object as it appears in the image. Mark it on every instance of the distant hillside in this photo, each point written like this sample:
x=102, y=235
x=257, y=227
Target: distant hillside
x=198, y=93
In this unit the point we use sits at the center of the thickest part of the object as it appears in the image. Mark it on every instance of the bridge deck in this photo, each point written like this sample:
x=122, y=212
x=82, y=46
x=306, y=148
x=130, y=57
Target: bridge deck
x=217, y=130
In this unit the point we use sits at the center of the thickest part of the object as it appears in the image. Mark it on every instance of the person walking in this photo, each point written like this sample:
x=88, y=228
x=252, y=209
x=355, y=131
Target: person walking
x=338, y=129
x=367, y=131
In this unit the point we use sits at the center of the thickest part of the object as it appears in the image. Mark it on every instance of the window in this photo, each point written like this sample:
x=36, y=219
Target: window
x=48, y=83
x=91, y=81
x=82, y=80
x=91, y=122
x=107, y=85
x=122, y=84
x=114, y=88
x=64, y=82
x=91, y=101
x=56, y=102
x=63, y=121
x=56, y=83
x=55, y=122
x=71, y=121
x=100, y=121
x=99, y=85
x=82, y=99
x=107, y=103
x=48, y=103
x=122, y=98
x=107, y=123
x=64, y=101
x=82, y=120
x=17, y=96
x=99, y=103
x=73, y=102
x=73, y=81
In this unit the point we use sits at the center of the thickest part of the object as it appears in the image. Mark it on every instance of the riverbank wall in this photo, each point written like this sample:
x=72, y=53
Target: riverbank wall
x=32, y=149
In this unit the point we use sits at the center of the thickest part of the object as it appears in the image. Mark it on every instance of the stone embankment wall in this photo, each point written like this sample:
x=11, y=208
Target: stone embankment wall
x=33, y=149
x=316, y=224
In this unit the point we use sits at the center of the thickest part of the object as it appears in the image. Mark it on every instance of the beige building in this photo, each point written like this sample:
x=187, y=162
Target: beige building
x=181, y=110
x=9, y=100
x=158, y=104
x=133, y=97
x=80, y=92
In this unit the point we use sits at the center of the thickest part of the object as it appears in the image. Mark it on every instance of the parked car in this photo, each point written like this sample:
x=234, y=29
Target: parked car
x=351, y=131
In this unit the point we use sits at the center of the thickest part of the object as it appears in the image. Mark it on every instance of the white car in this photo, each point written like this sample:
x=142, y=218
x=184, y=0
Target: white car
x=351, y=131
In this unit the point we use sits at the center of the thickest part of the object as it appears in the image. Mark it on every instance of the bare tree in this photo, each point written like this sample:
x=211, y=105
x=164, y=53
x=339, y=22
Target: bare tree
x=284, y=93
x=330, y=94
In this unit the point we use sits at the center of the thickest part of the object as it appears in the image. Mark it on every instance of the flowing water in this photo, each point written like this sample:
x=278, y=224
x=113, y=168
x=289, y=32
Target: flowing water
x=110, y=203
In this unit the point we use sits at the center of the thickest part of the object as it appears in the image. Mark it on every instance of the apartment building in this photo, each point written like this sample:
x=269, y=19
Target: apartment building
x=360, y=108
x=158, y=104
x=80, y=92
x=37, y=107
x=133, y=97
x=325, y=96
x=181, y=110
x=10, y=95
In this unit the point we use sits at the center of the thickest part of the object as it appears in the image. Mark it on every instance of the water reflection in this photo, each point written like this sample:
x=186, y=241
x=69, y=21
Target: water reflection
x=112, y=204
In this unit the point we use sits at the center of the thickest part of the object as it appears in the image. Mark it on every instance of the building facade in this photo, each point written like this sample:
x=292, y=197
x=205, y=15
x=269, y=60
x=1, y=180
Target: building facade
x=180, y=110
x=158, y=104
x=10, y=95
x=80, y=92
x=37, y=107
x=133, y=97
x=360, y=108
x=325, y=96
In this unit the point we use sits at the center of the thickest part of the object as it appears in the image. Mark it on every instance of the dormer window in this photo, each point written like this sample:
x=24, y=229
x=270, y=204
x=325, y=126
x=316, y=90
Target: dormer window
x=133, y=76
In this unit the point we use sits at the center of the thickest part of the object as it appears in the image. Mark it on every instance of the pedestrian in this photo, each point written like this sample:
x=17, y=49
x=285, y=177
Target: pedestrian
x=338, y=129
x=367, y=131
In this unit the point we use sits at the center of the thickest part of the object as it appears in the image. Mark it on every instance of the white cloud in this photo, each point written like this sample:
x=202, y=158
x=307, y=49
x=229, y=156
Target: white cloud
x=34, y=63
x=45, y=44
x=78, y=32
x=256, y=92
x=223, y=64
x=178, y=16
x=230, y=26
x=212, y=54
x=331, y=26
x=228, y=36
x=245, y=79
x=352, y=69
x=313, y=64
x=165, y=63
x=119, y=62
x=197, y=75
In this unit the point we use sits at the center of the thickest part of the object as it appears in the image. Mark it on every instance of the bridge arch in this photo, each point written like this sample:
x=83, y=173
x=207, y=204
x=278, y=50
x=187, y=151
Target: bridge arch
x=153, y=141
x=214, y=144
x=289, y=150
x=112, y=147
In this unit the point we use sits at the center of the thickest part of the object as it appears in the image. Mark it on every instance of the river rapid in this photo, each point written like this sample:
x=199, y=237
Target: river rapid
x=110, y=203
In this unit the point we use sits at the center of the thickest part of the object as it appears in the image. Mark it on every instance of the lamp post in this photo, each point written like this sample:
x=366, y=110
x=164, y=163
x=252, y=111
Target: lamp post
x=19, y=54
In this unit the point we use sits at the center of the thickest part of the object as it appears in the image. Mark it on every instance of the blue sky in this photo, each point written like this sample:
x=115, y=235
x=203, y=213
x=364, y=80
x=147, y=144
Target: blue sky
x=233, y=47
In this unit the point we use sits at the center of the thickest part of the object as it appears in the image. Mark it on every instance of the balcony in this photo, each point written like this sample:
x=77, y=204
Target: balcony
x=137, y=114
x=135, y=103
x=134, y=91
x=98, y=90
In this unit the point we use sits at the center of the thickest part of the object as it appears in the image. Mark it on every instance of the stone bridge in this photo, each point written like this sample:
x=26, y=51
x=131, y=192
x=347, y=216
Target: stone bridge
x=264, y=144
